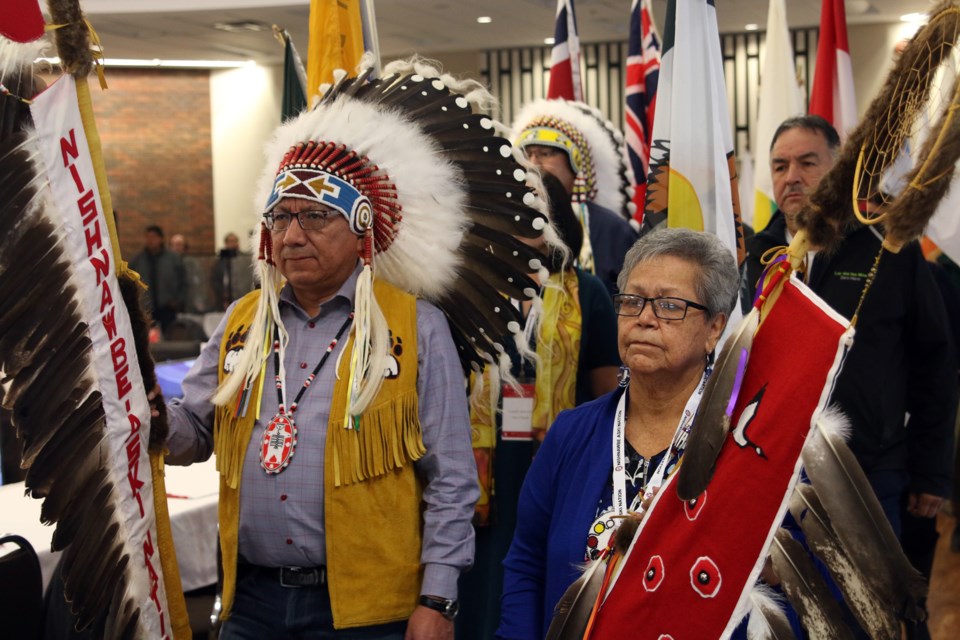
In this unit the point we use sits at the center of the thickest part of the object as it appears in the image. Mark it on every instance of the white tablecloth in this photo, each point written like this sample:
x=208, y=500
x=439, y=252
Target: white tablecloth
x=191, y=499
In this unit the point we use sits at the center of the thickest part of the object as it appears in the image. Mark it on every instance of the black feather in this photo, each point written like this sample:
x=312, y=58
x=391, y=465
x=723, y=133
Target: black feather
x=516, y=284
x=572, y=612
x=875, y=616
x=517, y=255
x=87, y=417
x=860, y=524
x=819, y=613
x=478, y=332
x=69, y=503
x=712, y=424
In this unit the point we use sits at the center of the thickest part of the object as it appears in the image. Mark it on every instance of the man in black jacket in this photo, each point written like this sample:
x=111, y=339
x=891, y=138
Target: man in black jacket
x=898, y=383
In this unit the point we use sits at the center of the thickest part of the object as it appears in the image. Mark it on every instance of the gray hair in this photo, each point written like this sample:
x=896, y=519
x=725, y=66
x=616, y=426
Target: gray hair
x=718, y=279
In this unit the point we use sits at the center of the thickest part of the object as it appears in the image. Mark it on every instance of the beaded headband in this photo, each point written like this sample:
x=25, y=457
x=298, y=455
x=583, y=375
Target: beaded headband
x=553, y=132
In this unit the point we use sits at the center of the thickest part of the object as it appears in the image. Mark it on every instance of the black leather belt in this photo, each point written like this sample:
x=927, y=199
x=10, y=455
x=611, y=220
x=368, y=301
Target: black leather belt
x=292, y=577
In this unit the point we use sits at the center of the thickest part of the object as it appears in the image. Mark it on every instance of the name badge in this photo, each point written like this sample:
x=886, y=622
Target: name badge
x=517, y=419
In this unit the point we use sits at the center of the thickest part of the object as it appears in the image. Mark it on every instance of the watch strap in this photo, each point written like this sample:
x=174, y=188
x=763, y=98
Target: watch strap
x=447, y=608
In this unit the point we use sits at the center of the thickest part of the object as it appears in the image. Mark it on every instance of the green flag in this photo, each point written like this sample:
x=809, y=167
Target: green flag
x=294, y=80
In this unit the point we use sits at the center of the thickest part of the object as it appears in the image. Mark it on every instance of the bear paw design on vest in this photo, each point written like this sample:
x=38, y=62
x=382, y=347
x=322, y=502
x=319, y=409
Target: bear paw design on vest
x=392, y=370
x=235, y=342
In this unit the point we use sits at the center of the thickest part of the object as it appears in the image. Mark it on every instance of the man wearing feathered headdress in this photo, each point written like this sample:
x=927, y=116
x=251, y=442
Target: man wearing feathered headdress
x=575, y=143
x=340, y=407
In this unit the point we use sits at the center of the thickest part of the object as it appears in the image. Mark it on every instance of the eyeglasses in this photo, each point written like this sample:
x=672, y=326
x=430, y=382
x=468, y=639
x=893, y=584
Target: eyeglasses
x=626, y=304
x=309, y=220
x=542, y=152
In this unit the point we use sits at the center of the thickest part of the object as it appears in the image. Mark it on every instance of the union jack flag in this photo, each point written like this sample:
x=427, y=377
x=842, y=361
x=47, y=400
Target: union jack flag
x=565, y=57
x=643, y=72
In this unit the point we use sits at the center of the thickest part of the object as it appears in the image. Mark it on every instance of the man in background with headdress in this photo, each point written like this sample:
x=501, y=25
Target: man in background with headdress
x=571, y=141
x=898, y=383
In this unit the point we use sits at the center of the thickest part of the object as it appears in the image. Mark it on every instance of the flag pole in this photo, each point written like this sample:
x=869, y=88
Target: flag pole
x=371, y=41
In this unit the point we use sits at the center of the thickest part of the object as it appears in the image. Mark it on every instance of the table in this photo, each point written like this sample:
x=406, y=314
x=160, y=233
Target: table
x=192, y=501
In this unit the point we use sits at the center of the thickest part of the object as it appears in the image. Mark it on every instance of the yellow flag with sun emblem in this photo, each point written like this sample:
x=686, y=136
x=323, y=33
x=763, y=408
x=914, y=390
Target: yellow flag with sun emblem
x=693, y=180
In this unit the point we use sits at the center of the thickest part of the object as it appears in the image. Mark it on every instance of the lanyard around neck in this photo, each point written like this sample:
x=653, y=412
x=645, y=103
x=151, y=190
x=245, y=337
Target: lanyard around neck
x=677, y=444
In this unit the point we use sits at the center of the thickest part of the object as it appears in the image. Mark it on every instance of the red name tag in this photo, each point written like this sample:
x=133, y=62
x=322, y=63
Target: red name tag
x=517, y=416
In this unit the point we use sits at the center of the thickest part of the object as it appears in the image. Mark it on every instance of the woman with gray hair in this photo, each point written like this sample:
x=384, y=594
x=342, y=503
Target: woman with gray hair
x=600, y=460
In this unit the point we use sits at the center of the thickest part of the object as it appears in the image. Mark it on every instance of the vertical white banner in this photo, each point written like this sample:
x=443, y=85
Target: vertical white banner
x=66, y=159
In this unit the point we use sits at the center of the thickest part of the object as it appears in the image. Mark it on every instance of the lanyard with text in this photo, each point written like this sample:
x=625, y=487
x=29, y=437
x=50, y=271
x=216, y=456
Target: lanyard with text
x=676, y=448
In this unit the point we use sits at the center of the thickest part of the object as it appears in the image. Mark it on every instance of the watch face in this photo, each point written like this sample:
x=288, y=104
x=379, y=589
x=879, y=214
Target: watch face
x=451, y=610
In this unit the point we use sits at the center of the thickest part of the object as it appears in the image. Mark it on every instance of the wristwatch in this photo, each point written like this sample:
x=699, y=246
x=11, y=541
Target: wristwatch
x=447, y=608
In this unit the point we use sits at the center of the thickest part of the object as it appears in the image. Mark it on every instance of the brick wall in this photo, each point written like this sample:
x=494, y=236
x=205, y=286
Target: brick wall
x=155, y=131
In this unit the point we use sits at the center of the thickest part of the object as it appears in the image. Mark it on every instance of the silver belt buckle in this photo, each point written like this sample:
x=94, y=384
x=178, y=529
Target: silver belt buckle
x=296, y=577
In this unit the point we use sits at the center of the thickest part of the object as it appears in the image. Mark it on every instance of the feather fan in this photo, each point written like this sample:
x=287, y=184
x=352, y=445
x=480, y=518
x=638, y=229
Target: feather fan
x=53, y=403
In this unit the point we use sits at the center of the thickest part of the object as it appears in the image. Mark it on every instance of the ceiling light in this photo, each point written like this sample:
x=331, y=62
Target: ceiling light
x=484, y=20
x=751, y=27
x=859, y=7
x=241, y=25
x=549, y=40
x=914, y=17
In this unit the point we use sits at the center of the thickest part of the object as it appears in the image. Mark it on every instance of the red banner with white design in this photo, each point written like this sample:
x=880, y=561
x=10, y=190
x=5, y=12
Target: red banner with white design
x=694, y=563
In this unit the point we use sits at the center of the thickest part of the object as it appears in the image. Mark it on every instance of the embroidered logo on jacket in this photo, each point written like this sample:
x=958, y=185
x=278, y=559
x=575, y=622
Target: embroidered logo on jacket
x=235, y=342
x=392, y=369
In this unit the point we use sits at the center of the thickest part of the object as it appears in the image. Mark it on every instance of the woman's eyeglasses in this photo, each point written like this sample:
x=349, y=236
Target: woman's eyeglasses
x=630, y=305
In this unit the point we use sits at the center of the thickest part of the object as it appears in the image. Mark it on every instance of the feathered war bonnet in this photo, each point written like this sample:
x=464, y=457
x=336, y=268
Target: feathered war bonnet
x=440, y=199
x=593, y=146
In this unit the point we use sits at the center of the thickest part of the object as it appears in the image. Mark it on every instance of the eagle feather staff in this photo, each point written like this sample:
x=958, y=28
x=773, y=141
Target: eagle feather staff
x=75, y=376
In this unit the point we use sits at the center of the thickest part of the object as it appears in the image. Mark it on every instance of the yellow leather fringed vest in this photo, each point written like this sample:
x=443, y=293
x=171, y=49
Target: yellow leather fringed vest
x=372, y=495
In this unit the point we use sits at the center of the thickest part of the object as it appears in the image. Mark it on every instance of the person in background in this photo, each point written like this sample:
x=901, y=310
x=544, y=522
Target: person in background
x=575, y=340
x=919, y=534
x=196, y=295
x=178, y=244
x=573, y=142
x=164, y=274
x=232, y=275
x=898, y=383
x=901, y=363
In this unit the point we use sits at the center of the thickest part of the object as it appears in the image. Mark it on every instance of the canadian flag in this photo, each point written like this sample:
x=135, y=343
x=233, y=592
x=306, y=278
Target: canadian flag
x=832, y=96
